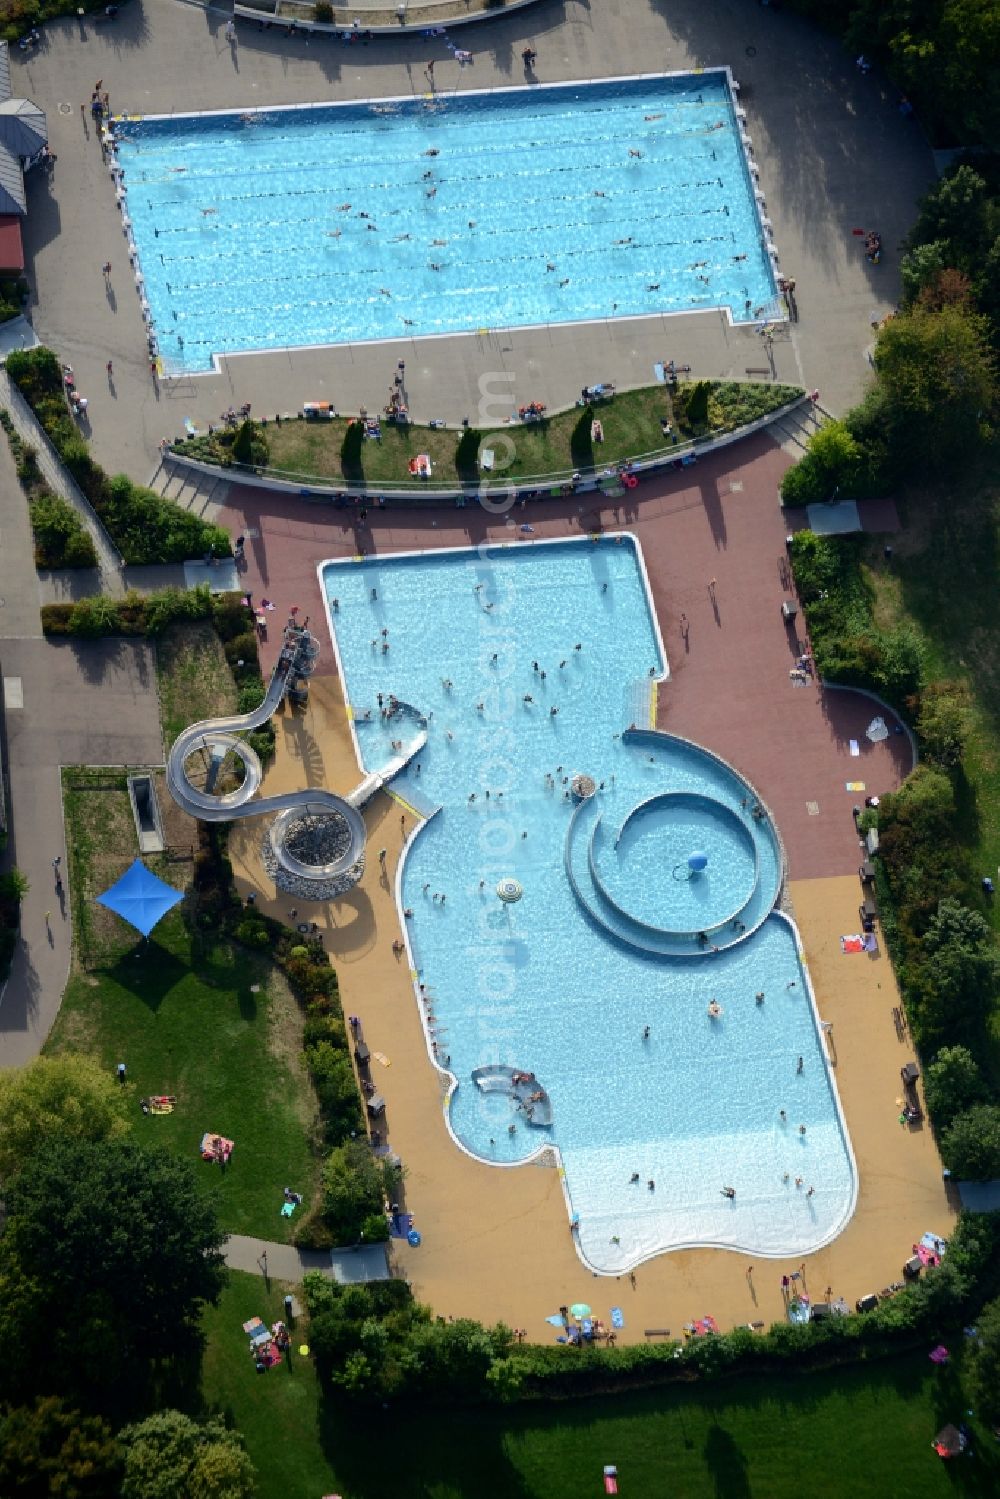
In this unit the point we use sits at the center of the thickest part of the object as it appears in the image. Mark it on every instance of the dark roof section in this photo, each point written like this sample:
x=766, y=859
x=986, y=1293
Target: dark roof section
x=23, y=133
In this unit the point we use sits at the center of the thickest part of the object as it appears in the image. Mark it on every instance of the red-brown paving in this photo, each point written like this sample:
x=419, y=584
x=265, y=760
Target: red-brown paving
x=713, y=537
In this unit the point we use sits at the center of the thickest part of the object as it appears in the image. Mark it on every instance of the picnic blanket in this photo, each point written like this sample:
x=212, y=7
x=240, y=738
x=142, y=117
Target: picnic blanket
x=215, y=1147
x=854, y=943
x=256, y=1331
x=288, y=1208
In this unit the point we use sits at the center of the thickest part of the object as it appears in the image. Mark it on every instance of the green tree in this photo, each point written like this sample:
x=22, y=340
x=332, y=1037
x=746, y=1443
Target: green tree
x=957, y=212
x=832, y=462
x=937, y=377
x=169, y=1456
x=243, y=443
x=970, y=1146
x=984, y=1363
x=336, y=1088
x=944, y=721
x=354, y=1187
x=47, y=1449
x=952, y=1084
x=57, y=1099
x=960, y=967
x=920, y=265
x=109, y=1255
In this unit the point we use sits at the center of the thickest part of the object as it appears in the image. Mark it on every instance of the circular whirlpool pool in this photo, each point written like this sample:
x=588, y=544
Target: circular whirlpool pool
x=643, y=869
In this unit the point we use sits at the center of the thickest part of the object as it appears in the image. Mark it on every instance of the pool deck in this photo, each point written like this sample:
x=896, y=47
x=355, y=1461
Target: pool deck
x=496, y=1244
x=834, y=154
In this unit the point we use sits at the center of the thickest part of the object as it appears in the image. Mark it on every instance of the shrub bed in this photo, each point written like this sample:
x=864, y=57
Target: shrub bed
x=61, y=538
x=143, y=526
x=848, y=646
x=148, y=615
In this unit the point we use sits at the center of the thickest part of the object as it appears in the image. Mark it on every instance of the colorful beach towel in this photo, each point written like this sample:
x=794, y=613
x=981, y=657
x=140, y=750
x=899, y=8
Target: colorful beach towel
x=617, y=1320
x=853, y=943
x=854, y=747
x=854, y=785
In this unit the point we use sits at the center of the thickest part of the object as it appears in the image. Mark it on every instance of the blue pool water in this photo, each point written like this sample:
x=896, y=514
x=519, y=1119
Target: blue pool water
x=338, y=223
x=605, y=940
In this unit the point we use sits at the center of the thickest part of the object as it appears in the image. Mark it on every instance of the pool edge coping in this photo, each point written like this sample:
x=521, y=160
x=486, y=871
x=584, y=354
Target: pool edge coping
x=446, y=1077
x=764, y=234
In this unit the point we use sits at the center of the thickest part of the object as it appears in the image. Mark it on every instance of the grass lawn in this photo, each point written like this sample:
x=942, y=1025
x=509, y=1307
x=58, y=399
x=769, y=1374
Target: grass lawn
x=201, y=1019
x=631, y=425
x=854, y=1432
x=193, y=677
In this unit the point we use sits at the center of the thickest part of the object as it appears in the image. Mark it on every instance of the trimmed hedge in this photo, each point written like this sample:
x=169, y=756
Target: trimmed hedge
x=143, y=526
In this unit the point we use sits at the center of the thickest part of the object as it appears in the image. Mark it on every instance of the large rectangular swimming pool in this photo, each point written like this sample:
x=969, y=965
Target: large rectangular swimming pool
x=292, y=227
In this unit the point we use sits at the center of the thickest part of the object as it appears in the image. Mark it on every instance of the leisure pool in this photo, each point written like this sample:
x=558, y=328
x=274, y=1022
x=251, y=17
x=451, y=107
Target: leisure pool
x=447, y=213
x=614, y=931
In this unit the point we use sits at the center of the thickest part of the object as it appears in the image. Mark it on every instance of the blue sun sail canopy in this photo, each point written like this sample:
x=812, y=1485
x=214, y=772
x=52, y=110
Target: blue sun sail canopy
x=140, y=898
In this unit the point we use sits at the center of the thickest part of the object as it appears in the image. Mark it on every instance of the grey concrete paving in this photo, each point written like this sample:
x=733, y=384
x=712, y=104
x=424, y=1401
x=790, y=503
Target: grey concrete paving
x=834, y=154
x=67, y=703
x=19, y=616
x=285, y=1262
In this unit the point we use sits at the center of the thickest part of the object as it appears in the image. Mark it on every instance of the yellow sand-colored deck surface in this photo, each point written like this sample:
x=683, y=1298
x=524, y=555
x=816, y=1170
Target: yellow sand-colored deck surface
x=496, y=1242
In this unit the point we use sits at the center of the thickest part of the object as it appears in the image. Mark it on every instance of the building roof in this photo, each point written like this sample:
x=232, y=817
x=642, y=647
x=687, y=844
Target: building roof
x=12, y=197
x=11, y=248
x=23, y=133
x=22, y=127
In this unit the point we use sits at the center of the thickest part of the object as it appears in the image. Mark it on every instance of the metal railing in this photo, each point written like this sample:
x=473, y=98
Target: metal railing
x=521, y=486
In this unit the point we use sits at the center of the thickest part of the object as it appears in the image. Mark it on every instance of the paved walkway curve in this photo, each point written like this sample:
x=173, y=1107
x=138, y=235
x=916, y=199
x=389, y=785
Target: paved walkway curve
x=109, y=561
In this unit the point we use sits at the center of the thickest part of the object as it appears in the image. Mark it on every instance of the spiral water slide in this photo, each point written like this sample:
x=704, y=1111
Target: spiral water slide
x=217, y=737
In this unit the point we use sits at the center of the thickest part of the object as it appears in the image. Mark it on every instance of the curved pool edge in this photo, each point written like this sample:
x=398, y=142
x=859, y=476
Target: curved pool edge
x=482, y=551
x=654, y=735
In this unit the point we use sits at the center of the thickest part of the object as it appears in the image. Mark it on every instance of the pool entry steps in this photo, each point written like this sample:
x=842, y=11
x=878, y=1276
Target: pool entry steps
x=315, y=847
x=523, y=1088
